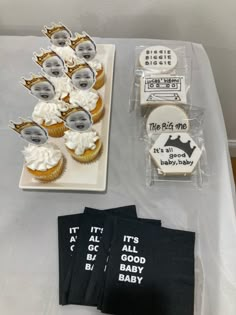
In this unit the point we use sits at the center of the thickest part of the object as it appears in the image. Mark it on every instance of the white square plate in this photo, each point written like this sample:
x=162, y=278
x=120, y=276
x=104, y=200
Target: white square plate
x=77, y=176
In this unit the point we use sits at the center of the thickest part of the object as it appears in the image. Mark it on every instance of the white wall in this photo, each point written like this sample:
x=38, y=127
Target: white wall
x=210, y=22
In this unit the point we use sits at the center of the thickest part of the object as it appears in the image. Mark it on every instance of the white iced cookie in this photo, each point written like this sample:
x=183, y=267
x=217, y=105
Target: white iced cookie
x=175, y=154
x=162, y=89
x=167, y=118
x=43, y=157
x=158, y=58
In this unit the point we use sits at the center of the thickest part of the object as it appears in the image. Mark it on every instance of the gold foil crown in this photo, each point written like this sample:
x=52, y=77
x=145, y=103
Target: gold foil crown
x=67, y=113
x=22, y=125
x=45, y=54
x=79, y=39
x=49, y=31
x=28, y=83
x=76, y=67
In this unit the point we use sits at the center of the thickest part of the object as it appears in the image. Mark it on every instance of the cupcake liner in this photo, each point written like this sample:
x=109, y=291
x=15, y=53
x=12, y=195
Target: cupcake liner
x=50, y=174
x=89, y=155
x=97, y=116
x=100, y=80
x=97, y=113
x=56, y=131
x=96, y=157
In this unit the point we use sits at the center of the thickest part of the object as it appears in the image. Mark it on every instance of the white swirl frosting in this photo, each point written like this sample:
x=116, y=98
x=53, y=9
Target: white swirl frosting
x=94, y=64
x=49, y=113
x=86, y=99
x=79, y=142
x=42, y=157
x=62, y=85
x=66, y=53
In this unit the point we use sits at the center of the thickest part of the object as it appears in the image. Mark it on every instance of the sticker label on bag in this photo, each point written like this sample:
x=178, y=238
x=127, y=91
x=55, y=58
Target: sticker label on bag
x=162, y=89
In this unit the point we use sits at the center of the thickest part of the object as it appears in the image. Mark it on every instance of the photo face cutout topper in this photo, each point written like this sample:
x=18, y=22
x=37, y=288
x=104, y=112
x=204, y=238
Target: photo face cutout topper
x=82, y=76
x=84, y=46
x=30, y=131
x=43, y=91
x=85, y=50
x=40, y=87
x=61, y=38
x=83, y=79
x=51, y=63
x=59, y=34
x=54, y=67
x=77, y=119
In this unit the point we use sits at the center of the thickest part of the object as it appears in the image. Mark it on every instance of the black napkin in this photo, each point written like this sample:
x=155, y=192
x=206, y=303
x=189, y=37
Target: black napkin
x=68, y=231
x=126, y=211
x=93, y=295
x=150, y=270
x=67, y=225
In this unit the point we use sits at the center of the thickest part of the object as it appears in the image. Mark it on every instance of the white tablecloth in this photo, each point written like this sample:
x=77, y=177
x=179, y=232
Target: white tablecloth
x=28, y=219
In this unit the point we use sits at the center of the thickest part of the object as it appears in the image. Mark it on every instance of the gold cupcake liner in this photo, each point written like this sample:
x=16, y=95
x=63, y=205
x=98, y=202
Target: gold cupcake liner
x=89, y=155
x=49, y=175
x=98, y=115
x=56, y=131
x=100, y=80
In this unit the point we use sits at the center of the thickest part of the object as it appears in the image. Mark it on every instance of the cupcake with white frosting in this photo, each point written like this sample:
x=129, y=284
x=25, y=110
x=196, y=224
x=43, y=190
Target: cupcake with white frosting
x=45, y=162
x=83, y=95
x=66, y=53
x=63, y=86
x=60, y=37
x=83, y=147
x=100, y=73
x=48, y=110
x=90, y=101
x=97, y=66
x=81, y=140
x=42, y=159
x=53, y=67
x=48, y=115
x=85, y=49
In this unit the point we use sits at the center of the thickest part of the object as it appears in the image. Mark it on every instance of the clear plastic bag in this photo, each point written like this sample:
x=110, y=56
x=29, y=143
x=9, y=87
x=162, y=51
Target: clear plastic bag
x=198, y=177
x=155, y=86
x=190, y=118
x=171, y=128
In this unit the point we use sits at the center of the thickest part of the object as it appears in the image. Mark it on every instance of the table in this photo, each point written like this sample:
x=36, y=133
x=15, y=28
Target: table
x=28, y=219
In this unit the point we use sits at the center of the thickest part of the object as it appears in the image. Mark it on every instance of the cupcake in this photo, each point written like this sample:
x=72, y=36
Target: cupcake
x=83, y=79
x=48, y=115
x=100, y=73
x=62, y=85
x=44, y=162
x=85, y=49
x=99, y=70
x=54, y=68
x=60, y=36
x=48, y=110
x=90, y=101
x=83, y=147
